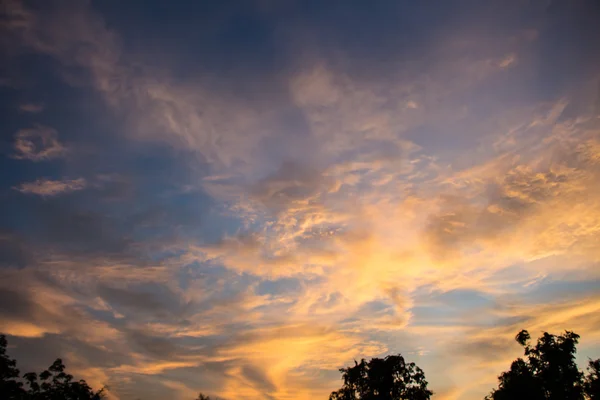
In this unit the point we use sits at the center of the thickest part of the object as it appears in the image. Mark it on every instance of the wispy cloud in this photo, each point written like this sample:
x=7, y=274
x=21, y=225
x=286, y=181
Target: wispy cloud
x=508, y=61
x=39, y=143
x=284, y=200
x=49, y=188
x=31, y=107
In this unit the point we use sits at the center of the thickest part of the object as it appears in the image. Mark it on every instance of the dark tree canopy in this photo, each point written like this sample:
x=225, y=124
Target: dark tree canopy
x=52, y=384
x=548, y=371
x=202, y=396
x=9, y=373
x=389, y=378
x=592, y=380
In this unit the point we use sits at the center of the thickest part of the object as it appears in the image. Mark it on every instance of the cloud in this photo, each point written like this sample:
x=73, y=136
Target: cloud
x=412, y=104
x=157, y=301
x=38, y=144
x=258, y=222
x=14, y=250
x=212, y=124
x=509, y=60
x=42, y=308
x=79, y=230
x=31, y=107
x=291, y=186
x=287, y=348
x=48, y=188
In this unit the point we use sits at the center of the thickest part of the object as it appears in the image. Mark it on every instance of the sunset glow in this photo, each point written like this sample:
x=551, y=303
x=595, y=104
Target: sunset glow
x=242, y=197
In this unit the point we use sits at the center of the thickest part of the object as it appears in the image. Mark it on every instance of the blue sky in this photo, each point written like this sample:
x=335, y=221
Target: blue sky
x=240, y=198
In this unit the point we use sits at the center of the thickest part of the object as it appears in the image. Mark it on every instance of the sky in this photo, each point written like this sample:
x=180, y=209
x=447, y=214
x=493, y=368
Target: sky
x=242, y=197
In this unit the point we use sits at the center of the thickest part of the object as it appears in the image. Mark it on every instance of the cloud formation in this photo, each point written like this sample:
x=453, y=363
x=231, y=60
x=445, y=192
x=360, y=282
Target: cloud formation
x=47, y=187
x=38, y=144
x=308, y=186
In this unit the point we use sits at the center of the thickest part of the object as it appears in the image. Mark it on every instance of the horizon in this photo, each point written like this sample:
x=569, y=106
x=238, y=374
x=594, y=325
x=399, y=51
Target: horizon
x=241, y=197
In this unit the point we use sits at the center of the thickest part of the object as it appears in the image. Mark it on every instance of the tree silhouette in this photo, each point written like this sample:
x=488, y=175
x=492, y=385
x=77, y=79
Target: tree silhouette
x=10, y=388
x=548, y=372
x=52, y=384
x=592, y=380
x=202, y=396
x=389, y=378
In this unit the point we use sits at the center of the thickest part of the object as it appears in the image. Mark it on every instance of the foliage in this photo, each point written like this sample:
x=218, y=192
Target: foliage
x=548, y=371
x=390, y=378
x=205, y=397
x=592, y=380
x=10, y=388
x=52, y=384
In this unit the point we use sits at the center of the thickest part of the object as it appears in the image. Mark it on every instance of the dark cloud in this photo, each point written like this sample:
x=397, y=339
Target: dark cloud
x=16, y=304
x=14, y=251
x=40, y=352
x=139, y=306
x=141, y=386
x=27, y=310
x=144, y=301
x=258, y=377
x=291, y=183
x=84, y=225
x=284, y=286
x=485, y=349
x=207, y=378
x=81, y=231
x=131, y=298
x=154, y=345
x=114, y=187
